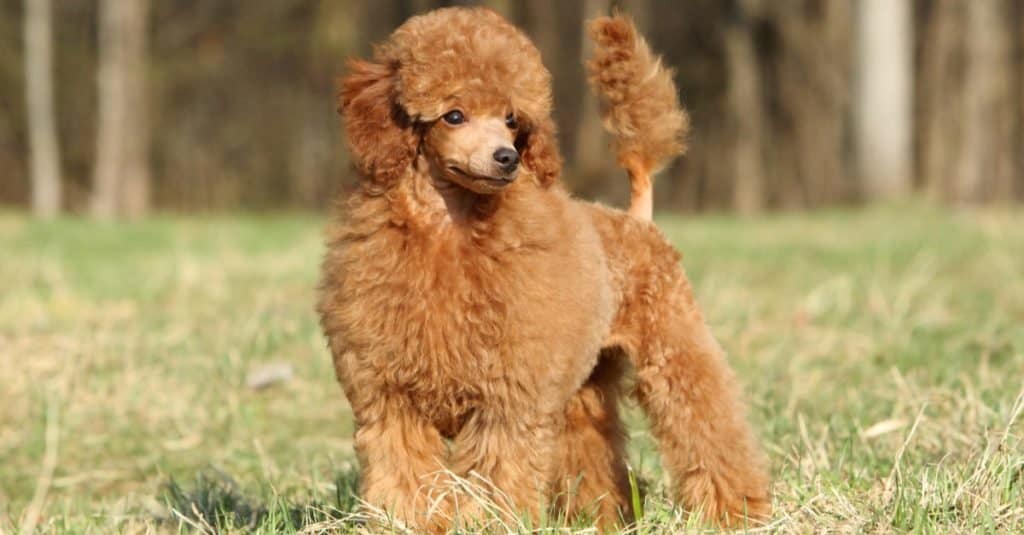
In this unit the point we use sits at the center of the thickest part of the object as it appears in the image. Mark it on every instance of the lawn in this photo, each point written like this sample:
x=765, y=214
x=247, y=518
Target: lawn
x=882, y=352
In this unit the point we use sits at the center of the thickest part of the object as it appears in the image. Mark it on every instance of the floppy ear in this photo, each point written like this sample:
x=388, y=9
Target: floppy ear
x=538, y=145
x=379, y=133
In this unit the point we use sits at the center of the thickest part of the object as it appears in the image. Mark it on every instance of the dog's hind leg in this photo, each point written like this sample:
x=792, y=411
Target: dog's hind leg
x=690, y=395
x=591, y=478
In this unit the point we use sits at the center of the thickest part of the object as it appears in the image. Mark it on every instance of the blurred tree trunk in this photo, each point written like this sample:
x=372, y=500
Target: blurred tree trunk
x=812, y=74
x=639, y=11
x=1018, y=15
x=986, y=162
x=746, y=109
x=45, y=151
x=555, y=28
x=939, y=98
x=382, y=17
x=884, y=111
x=501, y=6
x=543, y=27
x=591, y=153
x=421, y=6
x=121, y=178
x=317, y=163
x=970, y=139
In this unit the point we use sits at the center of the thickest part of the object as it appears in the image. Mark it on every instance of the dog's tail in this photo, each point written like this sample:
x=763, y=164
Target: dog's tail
x=639, y=105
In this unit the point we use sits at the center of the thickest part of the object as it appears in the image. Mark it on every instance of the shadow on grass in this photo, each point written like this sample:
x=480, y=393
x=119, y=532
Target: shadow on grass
x=214, y=502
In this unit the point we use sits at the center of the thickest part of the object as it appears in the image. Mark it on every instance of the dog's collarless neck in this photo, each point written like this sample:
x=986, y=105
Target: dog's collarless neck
x=430, y=199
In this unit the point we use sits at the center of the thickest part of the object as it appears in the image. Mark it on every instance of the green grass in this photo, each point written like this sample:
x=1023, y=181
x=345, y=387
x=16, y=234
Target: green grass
x=882, y=352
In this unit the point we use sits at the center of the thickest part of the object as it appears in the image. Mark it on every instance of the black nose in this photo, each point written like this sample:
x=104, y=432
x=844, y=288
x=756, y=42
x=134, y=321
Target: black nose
x=507, y=158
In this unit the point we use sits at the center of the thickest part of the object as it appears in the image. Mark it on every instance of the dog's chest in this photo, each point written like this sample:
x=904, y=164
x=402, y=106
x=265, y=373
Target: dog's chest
x=454, y=329
x=438, y=324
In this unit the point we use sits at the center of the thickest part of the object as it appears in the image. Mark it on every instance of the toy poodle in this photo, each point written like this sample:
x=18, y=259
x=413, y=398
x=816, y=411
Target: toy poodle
x=482, y=321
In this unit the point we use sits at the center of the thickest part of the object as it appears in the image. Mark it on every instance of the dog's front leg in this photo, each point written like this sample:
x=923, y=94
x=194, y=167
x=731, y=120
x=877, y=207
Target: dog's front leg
x=402, y=456
x=505, y=458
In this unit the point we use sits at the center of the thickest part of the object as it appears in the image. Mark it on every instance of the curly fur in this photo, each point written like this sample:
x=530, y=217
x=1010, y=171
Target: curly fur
x=507, y=329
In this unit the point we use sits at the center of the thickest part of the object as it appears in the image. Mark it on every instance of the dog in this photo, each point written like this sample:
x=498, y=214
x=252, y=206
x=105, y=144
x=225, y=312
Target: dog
x=481, y=320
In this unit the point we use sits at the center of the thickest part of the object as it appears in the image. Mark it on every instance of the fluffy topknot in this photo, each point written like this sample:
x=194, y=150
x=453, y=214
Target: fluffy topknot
x=473, y=54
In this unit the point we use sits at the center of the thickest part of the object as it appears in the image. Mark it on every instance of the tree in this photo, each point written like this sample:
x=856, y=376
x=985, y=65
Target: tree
x=746, y=110
x=970, y=121
x=810, y=72
x=45, y=158
x=985, y=172
x=121, y=178
x=939, y=94
x=640, y=11
x=884, y=109
x=591, y=157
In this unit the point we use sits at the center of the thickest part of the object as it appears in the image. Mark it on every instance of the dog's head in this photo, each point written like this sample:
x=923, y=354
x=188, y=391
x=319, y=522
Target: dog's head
x=461, y=87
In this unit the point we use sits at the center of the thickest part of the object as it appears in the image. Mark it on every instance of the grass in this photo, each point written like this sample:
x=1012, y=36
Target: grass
x=882, y=352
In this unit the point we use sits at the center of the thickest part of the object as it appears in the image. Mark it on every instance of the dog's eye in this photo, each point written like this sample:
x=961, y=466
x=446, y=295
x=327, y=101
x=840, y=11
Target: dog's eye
x=511, y=122
x=454, y=117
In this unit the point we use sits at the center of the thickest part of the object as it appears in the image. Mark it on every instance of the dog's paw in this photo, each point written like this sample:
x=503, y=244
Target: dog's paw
x=741, y=504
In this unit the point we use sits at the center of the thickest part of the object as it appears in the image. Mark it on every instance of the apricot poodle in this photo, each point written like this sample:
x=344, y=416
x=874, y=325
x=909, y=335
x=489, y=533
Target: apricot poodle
x=481, y=320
